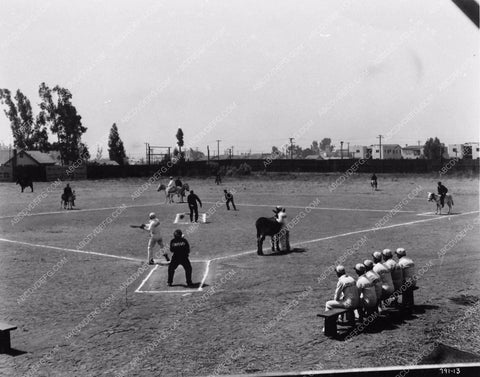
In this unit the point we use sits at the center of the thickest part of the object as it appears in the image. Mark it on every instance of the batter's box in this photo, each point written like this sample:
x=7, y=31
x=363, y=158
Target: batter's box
x=184, y=218
x=156, y=280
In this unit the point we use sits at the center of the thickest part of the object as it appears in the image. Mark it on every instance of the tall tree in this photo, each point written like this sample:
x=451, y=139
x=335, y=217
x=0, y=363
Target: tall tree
x=315, y=148
x=116, y=150
x=58, y=112
x=325, y=143
x=433, y=149
x=180, y=141
x=27, y=133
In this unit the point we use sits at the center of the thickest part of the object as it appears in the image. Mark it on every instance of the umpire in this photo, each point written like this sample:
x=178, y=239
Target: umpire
x=181, y=249
x=229, y=199
x=192, y=200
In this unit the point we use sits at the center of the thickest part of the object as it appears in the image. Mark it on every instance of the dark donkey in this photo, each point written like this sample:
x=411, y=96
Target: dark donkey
x=269, y=226
x=25, y=182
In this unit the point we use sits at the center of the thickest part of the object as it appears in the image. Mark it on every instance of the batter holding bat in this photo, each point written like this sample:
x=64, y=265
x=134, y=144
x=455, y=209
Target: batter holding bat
x=155, y=237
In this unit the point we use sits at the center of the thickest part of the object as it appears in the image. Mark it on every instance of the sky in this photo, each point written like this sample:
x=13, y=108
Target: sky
x=249, y=73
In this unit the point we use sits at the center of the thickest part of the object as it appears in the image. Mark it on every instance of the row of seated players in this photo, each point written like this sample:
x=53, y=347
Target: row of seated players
x=378, y=283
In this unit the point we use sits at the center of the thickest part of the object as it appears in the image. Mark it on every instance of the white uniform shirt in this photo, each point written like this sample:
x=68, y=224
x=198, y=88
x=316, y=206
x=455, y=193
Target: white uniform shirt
x=408, y=268
x=376, y=281
x=171, y=184
x=347, y=291
x=385, y=275
x=396, y=271
x=368, y=295
x=154, y=227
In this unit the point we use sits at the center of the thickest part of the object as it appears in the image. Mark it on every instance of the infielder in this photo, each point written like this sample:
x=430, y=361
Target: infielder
x=155, y=237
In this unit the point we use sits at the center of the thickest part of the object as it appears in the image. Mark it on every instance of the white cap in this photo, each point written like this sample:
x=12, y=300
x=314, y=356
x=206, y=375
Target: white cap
x=400, y=252
x=360, y=268
x=152, y=215
x=387, y=253
x=377, y=255
x=340, y=269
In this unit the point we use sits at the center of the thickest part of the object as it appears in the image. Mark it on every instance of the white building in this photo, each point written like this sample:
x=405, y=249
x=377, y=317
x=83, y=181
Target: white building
x=471, y=150
x=412, y=152
x=387, y=152
x=360, y=151
x=455, y=150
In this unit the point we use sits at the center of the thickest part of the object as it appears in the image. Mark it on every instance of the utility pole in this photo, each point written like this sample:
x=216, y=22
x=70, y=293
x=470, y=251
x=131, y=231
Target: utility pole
x=379, y=137
x=208, y=153
x=291, y=147
x=147, y=155
x=232, y=151
x=218, y=149
x=341, y=150
x=348, y=149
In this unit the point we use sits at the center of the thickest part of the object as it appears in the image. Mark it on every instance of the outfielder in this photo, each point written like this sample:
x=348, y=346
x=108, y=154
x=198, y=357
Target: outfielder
x=155, y=237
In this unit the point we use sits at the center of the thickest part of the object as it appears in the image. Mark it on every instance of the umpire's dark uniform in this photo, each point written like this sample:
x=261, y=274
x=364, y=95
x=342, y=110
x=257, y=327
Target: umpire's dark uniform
x=192, y=205
x=181, y=249
x=229, y=199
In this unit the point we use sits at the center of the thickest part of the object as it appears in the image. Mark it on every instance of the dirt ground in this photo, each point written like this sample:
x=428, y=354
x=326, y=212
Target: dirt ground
x=86, y=304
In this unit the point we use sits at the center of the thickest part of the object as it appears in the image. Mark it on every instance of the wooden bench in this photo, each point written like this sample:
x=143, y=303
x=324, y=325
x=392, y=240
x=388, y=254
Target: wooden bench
x=331, y=317
x=5, y=329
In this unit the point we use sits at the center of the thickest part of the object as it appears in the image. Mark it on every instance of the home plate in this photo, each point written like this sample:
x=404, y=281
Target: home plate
x=156, y=280
x=184, y=218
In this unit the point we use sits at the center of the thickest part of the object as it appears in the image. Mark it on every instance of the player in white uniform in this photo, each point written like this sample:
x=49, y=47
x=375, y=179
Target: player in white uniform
x=346, y=293
x=374, y=278
x=366, y=289
x=408, y=268
x=385, y=275
x=397, y=275
x=170, y=185
x=155, y=237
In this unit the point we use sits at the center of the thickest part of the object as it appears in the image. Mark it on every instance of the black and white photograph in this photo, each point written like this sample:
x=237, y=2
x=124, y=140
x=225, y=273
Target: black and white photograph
x=202, y=188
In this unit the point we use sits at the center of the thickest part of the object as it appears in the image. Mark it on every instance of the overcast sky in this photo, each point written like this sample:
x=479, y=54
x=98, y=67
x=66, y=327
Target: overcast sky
x=251, y=73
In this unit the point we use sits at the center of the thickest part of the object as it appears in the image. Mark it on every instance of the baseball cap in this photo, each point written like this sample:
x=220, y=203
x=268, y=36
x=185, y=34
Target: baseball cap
x=368, y=263
x=400, y=252
x=387, y=253
x=340, y=268
x=377, y=255
x=360, y=268
x=152, y=215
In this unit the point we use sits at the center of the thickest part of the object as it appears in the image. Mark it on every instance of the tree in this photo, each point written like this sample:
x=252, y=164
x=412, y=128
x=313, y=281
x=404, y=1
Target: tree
x=433, y=149
x=325, y=144
x=196, y=155
x=180, y=141
x=116, y=150
x=99, y=154
x=27, y=133
x=315, y=147
x=58, y=112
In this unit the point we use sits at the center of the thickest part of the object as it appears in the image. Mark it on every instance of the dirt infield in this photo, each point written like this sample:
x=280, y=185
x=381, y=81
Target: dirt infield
x=86, y=304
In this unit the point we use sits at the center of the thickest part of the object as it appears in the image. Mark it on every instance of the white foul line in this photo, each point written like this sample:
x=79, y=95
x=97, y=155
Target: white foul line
x=79, y=210
x=347, y=234
x=207, y=267
x=319, y=208
x=74, y=250
x=146, y=278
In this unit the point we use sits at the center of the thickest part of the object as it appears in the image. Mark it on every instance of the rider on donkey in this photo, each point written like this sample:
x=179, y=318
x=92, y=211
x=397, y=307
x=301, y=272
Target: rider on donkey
x=171, y=185
x=442, y=191
x=67, y=194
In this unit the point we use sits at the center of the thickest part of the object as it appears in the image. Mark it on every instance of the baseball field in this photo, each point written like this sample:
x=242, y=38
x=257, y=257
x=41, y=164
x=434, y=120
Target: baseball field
x=77, y=285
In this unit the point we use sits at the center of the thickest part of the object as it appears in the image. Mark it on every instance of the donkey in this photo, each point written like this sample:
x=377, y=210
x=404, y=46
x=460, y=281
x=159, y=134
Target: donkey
x=270, y=226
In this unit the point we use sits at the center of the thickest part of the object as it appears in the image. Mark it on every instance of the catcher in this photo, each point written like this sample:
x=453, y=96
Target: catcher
x=155, y=237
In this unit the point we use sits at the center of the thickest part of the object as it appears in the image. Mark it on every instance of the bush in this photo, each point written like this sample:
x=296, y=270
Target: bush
x=244, y=169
